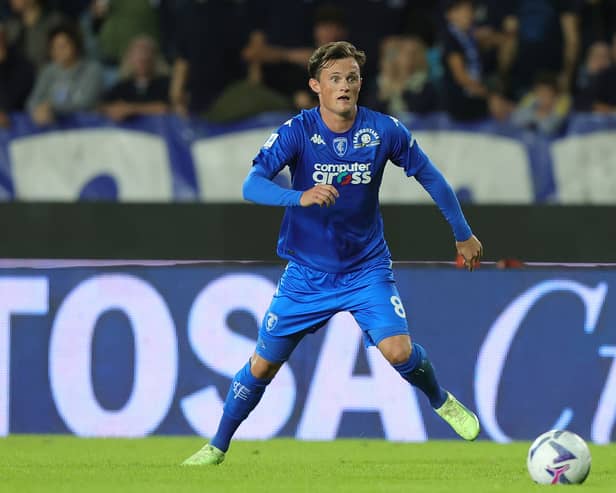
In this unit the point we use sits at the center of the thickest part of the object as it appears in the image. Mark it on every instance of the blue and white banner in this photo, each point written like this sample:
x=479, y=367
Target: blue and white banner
x=167, y=158
x=121, y=350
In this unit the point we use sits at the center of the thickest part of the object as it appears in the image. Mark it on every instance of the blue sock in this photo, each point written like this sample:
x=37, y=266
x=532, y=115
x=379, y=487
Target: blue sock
x=243, y=396
x=418, y=371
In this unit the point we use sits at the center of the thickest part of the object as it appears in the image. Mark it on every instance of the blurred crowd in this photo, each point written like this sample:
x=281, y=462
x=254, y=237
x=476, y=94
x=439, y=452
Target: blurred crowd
x=528, y=62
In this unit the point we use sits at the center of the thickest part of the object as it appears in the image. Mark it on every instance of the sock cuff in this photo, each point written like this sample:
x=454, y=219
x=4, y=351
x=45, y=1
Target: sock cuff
x=417, y=356
x=249, y=379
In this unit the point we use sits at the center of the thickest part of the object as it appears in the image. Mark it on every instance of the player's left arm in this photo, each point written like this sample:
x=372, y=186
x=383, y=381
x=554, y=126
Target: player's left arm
x=408, y=154
x=282, y=147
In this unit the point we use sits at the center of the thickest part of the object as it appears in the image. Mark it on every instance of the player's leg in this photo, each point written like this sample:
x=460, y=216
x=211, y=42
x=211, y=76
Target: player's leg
x=417, y=369
x=244, y=394
x=298, y=307
x=375, y=303
x=411, y=361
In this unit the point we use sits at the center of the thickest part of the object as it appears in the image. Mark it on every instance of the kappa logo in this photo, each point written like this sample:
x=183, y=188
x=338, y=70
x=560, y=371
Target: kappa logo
x=340, y=145
x=395, y=120
x=366, y=137
x=317, y=139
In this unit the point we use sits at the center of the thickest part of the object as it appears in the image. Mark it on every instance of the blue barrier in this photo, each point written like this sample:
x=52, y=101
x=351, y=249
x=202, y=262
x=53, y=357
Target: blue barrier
x=132, y=350
x=22, y=176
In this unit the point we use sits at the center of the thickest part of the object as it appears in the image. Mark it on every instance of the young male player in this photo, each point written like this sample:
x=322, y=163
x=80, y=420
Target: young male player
x=332, y=236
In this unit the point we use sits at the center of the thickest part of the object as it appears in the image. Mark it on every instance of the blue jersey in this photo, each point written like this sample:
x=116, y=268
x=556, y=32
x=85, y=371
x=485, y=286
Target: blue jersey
x=342, y=237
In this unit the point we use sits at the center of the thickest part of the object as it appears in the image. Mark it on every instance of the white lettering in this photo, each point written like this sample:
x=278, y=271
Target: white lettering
x=18, y=295
x=495, y=348
x=226, y=352
x=70, y=357
x=603, y=422
x=334, y=389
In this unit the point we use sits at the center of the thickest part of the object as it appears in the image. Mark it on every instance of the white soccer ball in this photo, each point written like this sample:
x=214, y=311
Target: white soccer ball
x=558, y=457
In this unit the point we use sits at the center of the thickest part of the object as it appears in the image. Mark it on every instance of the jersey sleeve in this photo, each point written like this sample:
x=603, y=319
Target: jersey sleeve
x=405, y=151
x=407, y=154
x=281, y=149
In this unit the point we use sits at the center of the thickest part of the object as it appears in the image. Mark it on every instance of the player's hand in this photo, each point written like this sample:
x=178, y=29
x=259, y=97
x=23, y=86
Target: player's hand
x=471, y=251
x=321, y=195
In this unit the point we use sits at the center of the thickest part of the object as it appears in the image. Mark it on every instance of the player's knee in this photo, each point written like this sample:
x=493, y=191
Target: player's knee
x=396, y=349
x=398, y=355
x=262, y=368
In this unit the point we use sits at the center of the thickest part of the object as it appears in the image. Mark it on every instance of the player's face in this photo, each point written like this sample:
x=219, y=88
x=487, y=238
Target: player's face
x=338, y=86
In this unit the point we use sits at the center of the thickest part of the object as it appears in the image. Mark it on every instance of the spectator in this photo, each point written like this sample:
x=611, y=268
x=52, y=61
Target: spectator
x=597, y=19
x=145, y=91
x=29, y=29
x=546, y=108
x=71, y=8
x=283, y=68
x=547, y=39
x=496, y=40
x=370, y=21
x=210, y=37
x=403, y=83
x=117, y=22
x=605, y=98
x=465, y=93
x=16, y=79
x=68, y=83
x=597, y=61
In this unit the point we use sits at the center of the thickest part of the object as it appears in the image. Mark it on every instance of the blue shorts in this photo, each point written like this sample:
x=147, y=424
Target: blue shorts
x=306, y=299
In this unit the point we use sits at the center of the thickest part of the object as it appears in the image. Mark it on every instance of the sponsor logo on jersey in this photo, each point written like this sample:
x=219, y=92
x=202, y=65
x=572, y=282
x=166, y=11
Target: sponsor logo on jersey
x=366, y=137
x=270, y=141
x=340, y=145
x=342, y=174
x=317, y=139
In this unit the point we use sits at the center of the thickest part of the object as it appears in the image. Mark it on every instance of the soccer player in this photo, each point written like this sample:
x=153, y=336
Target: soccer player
x=332, y=237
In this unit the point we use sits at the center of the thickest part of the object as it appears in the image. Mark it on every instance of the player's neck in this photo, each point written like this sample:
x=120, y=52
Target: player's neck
x=338, y=123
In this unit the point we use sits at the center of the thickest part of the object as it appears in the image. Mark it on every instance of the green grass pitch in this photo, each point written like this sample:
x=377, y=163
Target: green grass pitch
x=57, y=464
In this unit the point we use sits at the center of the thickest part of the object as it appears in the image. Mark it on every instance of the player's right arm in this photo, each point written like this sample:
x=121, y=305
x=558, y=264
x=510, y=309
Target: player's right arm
x=281, y=148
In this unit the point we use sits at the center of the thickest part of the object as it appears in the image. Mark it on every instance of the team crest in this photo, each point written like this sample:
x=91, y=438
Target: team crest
x=340, y=145
x=271, y=320
x=366, y=137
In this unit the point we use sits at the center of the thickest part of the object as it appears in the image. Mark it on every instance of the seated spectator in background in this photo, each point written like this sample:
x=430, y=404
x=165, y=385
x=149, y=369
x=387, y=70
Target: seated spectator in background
x=116, y=22
x=16, y=79
x=29, y=28
x=465, y=94
x=68, y=83
x=283, y=68
x=545, y=109
x=547, y=39
x=402, y=84
x=144, y=91
x=276, y=75
x=597, y=61
x=597, y=21
x=605, y=95
x=210, y=37
x=495, y=34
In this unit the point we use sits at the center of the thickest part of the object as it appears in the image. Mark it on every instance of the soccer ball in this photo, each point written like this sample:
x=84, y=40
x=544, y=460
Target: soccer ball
x=558, y=457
